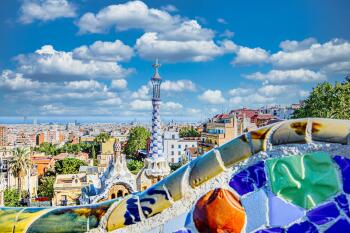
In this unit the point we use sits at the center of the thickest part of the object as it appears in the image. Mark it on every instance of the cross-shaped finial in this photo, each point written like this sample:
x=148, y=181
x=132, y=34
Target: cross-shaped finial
x=156, y=65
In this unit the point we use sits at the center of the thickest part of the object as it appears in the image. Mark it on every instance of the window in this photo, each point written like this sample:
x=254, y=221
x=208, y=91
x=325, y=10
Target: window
x=172, y=153
x=179, y=152
x=186, y=146
x=172, y=146
x=173, y=136
x=193, y=145
x=179, y=146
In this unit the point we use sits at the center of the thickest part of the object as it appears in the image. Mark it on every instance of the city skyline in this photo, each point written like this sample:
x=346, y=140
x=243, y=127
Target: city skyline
x=92, y=60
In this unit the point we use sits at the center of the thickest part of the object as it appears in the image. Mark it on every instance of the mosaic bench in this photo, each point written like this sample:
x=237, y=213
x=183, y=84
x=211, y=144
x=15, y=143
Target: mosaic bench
x=292, y=176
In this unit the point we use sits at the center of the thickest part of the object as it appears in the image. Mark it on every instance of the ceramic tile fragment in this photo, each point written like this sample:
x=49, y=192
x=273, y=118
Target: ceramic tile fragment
x=342, y=225
x=323, y=214
x=343, y=204
x=271, y=230
x=219, y=210
x=344, y=165
x=175, y=224
x=306, y=227
x=305, y=180
x=283, y=213
x=183, y=230
x=245, y=181
x=255, y=206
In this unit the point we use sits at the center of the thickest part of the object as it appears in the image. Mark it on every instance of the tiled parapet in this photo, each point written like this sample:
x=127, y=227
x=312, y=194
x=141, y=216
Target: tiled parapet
x=323, y=214
x=205, y=168
x=328, y=130
x=271, y=230
x=259, y=138
x=305, y=180
x=249, y=179
x=342, y=225
x=344, y=165
x=302, y=227
x=295, y=131
x=343, y=204
x=219, y=211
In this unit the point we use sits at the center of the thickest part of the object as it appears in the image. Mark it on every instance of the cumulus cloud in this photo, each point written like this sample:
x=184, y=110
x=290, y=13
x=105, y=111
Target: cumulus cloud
x=49, y=61
x=178, y=86
x=142, y=93
x=311, y=54
x=227, y=34
x=45, y=10
x=240, y=91
x=16, y=81
x=248, y=56
x=150, y=46
x=130, y=15
x=85, y=85
x=104, y=51
x=139, y=104
x=212, y=97
x=287, y=76
x=119, y=84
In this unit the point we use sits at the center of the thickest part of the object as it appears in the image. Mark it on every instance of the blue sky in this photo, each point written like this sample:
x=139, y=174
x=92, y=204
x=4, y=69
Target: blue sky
x=89, y=59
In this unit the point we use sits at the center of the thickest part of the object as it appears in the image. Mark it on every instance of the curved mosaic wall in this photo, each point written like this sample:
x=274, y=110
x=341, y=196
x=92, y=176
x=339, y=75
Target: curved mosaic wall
x=297, y=193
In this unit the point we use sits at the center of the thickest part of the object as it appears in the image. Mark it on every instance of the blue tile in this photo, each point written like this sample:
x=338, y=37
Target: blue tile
x=271, y=230
x=343, y=204
x=340, y=226
x=245, y=181
x=306, y=227
x=344, y=165
x=323, y=214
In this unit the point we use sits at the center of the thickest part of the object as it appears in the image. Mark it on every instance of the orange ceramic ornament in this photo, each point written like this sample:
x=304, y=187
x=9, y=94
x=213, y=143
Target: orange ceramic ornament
x=219, y=211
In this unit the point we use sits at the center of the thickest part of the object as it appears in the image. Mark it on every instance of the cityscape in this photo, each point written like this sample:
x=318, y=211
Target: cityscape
x=160, y=117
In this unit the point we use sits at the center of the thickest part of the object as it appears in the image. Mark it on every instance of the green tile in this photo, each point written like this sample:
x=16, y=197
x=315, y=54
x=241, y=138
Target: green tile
x=305, y=180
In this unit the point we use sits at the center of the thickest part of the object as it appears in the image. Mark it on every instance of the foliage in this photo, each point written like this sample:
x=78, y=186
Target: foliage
x=327, y=101
x=175, y=166
x=135, y=166
x=102, y=137
x=19, y=165
x=70, y=148
x=68, y=166
x=188, y=132
x=47, y=148
x=137, y=140
x=45, y=188
x=12, y=197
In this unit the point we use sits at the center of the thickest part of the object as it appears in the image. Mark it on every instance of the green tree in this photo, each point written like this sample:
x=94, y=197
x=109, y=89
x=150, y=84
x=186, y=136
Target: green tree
x=102, y=137
x=19, y=165
x=93, y=155
x=68, y=166
x=47, y=148
x=12, y=197
x=188, y=132
x=137, y=140
x=45, y=188
x=135, y=166
x=327, y=101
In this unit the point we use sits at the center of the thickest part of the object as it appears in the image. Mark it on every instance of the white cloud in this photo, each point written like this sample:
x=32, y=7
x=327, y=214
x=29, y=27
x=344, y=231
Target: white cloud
x=51, y=62
x=178, y=86
x=302, y=54
x=169, y=8
x=16, y=81
x=142, y=93
x=139, y=104
x=240, y=91
x=221, y=20
x=46, y=10
x=248, y=56
x=212, y=97
x=150, y=46
x=275, y=90
x=293, y=45
x=119, y=84
x=287, y=76
x=130, y=15
x=85, y=85
x=104, y=51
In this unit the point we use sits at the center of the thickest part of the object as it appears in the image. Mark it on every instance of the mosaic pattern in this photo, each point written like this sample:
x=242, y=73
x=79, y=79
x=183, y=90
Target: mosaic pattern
x=304, y=180
x=308, y=181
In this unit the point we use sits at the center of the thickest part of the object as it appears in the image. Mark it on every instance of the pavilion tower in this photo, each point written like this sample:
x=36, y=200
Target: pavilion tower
x=156, y=166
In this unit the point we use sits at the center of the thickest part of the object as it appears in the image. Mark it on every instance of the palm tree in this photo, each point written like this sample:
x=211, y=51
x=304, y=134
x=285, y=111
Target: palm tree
x=19, y=165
